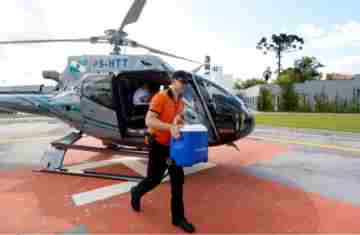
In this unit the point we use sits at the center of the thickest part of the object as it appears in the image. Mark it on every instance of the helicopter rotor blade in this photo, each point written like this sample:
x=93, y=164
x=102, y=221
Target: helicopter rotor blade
x=48, y=41
x=97, y=39
x=197, y=69
x=133, y=14
x=156, y=51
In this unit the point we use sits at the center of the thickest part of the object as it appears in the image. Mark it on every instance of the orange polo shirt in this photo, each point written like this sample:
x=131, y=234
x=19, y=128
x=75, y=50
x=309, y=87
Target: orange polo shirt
x=164, y=104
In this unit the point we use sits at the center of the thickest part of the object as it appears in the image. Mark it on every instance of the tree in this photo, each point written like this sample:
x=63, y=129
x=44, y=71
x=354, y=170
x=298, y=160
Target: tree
x=249, y=83
x=237, y=85
x=280, y=44
x=308, y=67
x=289, y=98
x=288, y=76
x=265, y=101
x=305, y=69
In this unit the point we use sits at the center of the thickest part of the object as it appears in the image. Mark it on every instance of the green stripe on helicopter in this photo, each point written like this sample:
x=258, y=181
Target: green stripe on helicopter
x=44, y=104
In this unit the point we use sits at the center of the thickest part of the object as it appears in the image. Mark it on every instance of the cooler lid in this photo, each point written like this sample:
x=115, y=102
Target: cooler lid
x=193, y=128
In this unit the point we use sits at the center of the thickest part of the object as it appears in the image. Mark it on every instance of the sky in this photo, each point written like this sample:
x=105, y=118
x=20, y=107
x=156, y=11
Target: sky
x=227, y=30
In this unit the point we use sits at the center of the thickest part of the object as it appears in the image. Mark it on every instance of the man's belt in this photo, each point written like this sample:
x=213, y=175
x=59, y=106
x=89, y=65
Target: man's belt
x=150, y=138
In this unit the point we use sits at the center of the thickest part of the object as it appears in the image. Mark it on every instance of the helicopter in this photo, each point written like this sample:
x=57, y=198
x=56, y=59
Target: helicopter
x=94, y=93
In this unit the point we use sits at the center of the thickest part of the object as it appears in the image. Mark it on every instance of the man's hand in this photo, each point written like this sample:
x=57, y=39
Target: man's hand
x=175, y=132
x=179, y=120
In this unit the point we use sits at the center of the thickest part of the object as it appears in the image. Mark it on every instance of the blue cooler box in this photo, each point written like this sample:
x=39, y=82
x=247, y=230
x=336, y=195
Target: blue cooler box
x=192, y=147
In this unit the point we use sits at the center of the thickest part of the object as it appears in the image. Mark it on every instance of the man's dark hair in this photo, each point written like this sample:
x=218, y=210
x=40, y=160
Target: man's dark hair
x=182, y=76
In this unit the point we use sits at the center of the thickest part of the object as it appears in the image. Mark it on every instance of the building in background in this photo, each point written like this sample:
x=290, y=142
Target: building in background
x=337, y=76
x=251, y=95
x=343, y=89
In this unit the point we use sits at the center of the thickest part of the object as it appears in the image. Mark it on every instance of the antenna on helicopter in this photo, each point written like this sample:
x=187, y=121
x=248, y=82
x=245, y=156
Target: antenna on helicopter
x=206, y=65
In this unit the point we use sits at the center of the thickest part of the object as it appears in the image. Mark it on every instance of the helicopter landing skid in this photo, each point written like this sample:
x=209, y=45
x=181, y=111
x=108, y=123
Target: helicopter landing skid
x=53, y=159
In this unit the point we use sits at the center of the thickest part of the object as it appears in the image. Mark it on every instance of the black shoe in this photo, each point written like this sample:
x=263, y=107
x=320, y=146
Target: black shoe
x=135, y=201
x=185, y=225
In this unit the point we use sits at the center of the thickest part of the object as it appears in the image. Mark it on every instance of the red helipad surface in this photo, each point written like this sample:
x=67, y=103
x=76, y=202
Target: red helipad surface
x=221, y=199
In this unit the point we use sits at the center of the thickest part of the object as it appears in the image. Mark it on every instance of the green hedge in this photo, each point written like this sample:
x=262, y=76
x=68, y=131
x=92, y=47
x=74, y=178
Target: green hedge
x=265, y=101
x=290, y=101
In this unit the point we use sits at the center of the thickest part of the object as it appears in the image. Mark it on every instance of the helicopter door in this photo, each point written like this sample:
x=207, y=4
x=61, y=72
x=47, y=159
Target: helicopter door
x=97, y=107
x=226, y=116
x=121, y=102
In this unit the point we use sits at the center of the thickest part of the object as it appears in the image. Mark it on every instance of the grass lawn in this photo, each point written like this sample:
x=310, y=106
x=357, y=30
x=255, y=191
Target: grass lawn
x=334, y=122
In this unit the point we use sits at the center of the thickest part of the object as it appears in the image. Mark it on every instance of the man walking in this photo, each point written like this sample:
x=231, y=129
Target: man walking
x=163, y=119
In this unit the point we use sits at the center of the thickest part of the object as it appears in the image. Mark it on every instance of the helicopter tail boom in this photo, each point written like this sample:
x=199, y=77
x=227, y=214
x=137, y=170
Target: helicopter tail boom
x=24, y=104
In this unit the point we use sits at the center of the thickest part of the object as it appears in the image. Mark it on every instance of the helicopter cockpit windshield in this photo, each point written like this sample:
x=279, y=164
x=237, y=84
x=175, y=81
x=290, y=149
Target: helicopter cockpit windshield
x=226, y=113
x=194, y=111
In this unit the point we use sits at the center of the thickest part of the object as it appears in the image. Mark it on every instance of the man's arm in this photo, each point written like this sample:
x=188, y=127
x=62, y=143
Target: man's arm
x=179, y=120
x=152, y=121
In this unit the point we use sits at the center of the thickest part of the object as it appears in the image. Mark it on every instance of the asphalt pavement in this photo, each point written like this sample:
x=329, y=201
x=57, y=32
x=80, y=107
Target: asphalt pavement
x=315, y=173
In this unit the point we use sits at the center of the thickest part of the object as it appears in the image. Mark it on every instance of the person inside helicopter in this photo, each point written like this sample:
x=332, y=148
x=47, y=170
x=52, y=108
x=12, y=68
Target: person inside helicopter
x=142, y=95
x=144, y=91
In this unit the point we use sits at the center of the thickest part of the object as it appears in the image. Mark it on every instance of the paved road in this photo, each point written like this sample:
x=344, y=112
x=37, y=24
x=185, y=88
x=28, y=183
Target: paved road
x=24, y=140
x=309, y=137
x=324, y=162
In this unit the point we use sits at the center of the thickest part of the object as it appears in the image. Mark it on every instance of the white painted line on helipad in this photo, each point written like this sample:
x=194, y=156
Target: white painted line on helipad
x=103, y=193
x=112, y=190
x=138, y=166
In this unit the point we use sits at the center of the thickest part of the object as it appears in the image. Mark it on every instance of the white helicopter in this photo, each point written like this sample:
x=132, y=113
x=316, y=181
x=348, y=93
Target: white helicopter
x=94, y=96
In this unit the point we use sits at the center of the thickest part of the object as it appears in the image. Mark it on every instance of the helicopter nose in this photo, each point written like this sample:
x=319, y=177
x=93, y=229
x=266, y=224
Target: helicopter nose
x=248, y=120
x=248, y=127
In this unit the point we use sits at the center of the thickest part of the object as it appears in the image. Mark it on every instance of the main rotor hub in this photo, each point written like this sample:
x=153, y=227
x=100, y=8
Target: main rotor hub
x=116, y=37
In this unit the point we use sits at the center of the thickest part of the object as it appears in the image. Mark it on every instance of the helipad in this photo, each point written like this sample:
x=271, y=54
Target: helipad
x=248, y=191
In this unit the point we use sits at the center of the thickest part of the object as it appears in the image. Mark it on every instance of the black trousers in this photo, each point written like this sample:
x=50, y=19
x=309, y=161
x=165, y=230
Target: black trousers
x=155, y=171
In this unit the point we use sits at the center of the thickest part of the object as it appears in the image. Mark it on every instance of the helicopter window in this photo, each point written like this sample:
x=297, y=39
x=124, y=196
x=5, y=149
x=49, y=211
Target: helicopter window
x=223, y=107
x=192, y=112
x=99, y=91
x=220, y=100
